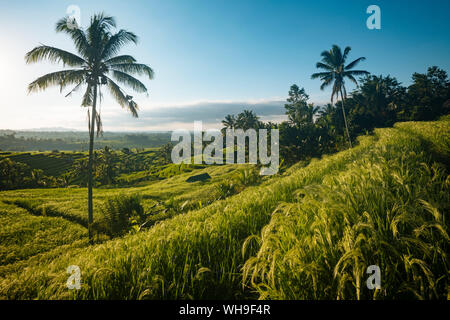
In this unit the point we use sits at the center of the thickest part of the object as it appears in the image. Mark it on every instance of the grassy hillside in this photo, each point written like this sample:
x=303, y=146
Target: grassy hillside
x=310, y=233
x=24, y=235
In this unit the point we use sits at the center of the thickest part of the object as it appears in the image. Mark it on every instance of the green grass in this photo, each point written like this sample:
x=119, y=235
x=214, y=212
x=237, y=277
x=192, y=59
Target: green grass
x=71, y=203
x=23, y=235
x=388, y=208
x=309, y=233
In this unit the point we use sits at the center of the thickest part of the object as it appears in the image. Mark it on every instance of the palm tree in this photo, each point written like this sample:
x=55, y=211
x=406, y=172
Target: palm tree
x=311, y=112
x=96, y=64
x=326, y=111
x=229, y=122
x=333, y=62
x=247, y=119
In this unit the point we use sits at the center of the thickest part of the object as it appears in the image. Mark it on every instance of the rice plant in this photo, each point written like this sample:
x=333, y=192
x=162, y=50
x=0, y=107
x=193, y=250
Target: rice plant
x=388, y=208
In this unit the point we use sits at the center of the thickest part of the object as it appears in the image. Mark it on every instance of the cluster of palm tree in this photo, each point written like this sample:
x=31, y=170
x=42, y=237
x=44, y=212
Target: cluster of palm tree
x=300, y=132
x=245, y=120
x=377, y=101
x=311, y=130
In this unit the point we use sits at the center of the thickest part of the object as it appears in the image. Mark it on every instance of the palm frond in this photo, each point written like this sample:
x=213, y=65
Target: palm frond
x=117, y=41
x=128, y=80
x=335, y=91
x=120, y=59
x=326, y=82
x=134, y=68
x=78, y=36
x=59, y=78
x=336, y=54
x=352, y=64
x=99, y=26
x=327, y=58
x=98, y=121
x=321, y=65
x=346, y=52
x=99, y=32
x=356, y=73
x=124, y=100
x=88, y=97
x=102, y=21
x=352, y=79
x=74, y=89
x=54, y=55
x=319, y=75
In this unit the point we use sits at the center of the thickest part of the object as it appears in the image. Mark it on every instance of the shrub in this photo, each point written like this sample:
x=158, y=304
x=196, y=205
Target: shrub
x=248, y=177
x=121, y=213
x=225, y=190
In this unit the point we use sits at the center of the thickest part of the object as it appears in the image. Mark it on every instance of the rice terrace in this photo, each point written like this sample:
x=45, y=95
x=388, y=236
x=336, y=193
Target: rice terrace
x=338, y=190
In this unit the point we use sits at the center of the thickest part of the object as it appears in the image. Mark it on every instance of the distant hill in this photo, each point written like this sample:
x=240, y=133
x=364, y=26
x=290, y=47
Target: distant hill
x=51, y=129
x=11, y=140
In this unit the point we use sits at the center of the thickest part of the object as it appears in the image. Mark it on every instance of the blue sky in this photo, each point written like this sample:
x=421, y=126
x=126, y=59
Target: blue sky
x=217, y=57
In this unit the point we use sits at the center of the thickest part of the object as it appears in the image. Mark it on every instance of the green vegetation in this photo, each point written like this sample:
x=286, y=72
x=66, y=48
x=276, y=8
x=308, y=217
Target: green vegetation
x=122, y=213
x=388, y=208
x=378, y=102
x=24, y=235
x=309, y=233
x=62, y=169
x=78, y=141
x=51, y=163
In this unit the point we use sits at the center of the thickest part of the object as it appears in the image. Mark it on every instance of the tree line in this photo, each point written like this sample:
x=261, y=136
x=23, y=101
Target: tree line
x=77, y=141
x=378, y=101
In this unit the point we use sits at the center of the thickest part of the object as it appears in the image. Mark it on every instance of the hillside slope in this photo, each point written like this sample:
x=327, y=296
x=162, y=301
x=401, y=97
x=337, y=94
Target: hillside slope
x=307, y=235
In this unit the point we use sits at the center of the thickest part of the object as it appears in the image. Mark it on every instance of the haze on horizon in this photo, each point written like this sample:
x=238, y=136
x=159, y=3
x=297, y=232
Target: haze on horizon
x=213, y=58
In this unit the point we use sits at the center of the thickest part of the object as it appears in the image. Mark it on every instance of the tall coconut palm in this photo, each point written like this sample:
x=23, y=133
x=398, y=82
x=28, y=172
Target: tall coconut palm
x=333, y=62
x=95, y=64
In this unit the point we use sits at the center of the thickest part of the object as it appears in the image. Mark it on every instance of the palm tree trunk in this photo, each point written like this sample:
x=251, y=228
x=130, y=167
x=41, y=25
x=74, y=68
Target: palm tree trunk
x=345, y=119
x=90, y=167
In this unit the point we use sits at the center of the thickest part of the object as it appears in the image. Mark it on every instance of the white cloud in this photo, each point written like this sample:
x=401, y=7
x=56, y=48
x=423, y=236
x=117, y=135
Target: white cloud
x=211, y=113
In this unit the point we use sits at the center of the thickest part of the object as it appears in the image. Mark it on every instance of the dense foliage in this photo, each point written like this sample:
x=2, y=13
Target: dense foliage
x=15, y=175
x=377, y=102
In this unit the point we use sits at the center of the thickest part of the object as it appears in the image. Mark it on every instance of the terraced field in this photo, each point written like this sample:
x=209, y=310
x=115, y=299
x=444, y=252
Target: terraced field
x=307, y=234
x=53, y=164
x=57, y=163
